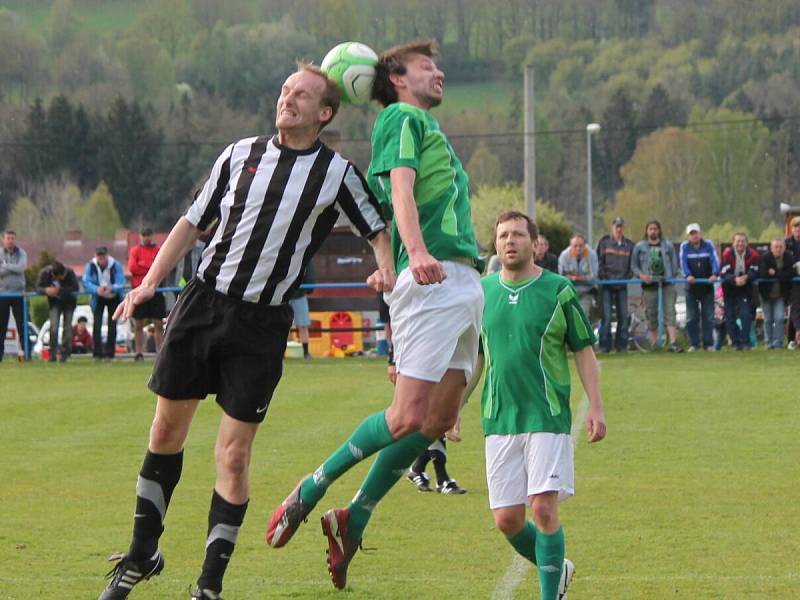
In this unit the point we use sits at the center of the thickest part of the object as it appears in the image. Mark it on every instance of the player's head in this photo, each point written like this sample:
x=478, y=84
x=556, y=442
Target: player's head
x=515, y=239
x=308, y=101
x=408, y=73
x=652, y=231
x=9, y=239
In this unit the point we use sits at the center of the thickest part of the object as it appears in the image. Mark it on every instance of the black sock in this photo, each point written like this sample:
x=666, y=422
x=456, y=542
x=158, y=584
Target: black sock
x=305, y=348
x=438, y=452
x=224, y=521
x=158, y=477
x=421, y=462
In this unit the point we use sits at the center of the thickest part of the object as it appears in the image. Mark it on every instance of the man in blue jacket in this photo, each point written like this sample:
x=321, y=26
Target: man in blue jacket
x=699, y=261
x=104, y=279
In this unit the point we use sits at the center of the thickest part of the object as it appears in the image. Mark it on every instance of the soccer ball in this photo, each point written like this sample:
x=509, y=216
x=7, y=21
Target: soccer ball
x=352, y=66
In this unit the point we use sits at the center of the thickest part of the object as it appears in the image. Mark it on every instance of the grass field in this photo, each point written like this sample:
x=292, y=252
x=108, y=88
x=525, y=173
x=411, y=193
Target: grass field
x=693, y=495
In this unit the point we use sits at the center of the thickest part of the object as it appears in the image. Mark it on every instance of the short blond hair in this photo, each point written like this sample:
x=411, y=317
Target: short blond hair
x=331, y=96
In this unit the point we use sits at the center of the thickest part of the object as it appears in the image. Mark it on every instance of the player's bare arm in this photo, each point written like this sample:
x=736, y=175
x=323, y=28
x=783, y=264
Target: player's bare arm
x=589, y=372
x=382, y=280
x=179, y=241
x=424, y=267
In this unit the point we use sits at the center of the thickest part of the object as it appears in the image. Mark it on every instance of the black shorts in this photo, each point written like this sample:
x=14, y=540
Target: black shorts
x=155, y=308
x=215, y=344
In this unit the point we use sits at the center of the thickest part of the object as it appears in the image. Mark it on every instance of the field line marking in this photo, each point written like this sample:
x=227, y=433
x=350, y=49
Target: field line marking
x=513, y=578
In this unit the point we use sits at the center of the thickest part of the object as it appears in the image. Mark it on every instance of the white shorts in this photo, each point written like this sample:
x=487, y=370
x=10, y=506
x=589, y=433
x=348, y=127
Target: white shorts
x=525, y=464
x=436, y=327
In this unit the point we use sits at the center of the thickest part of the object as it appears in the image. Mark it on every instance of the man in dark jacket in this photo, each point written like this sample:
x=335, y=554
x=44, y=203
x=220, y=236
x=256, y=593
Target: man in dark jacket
x=777, y=271
x=60, y=284
x=543, y=257
x=614, y=262
x=739, y=272
x=699, y=261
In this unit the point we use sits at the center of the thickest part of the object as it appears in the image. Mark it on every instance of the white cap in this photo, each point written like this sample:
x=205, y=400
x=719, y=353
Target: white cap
x=692, y=227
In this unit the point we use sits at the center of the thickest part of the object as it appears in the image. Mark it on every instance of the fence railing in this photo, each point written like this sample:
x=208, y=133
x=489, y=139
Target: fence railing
x=345, y=285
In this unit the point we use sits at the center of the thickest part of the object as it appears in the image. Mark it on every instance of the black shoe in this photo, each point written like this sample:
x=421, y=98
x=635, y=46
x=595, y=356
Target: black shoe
x=421, y=480
x=205, y=594
x=675, y=348
x=450, y=487
x=139, y=356
x=127, y=573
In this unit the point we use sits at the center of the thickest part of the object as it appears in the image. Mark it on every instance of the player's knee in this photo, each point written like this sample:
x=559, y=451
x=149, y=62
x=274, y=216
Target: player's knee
x=166, y=437
x=545, y=516
x=233, y=459
x=510, y=524
x=401, y=423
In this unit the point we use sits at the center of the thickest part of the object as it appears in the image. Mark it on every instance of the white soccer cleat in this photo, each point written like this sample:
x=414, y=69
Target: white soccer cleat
x=566, y=578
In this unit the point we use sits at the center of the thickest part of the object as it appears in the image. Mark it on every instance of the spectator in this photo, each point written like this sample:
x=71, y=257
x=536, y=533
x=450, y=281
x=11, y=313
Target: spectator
x=776, y=264
x=578, y=263
x=699, y=261
x=739, y=271
x=299, y=303
x=60, y=284
x=493, y=264
x=82, y=342
x=654, y=262
x=13, y=261
x=543, y=257
x=614, y=262
x=104, y=279
x=140, y=260
x=793, y=247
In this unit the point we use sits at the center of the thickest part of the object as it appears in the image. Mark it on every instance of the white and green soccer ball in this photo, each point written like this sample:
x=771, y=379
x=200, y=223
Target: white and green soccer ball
x=352, y=66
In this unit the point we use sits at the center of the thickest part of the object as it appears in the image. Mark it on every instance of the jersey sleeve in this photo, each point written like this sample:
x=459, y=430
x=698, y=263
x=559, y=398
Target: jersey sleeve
x=205, y=206
x=359, y=205
x=397, y=141
x=579, y=333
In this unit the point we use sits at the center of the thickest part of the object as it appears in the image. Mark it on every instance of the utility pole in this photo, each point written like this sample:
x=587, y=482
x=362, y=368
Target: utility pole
x=530, y=145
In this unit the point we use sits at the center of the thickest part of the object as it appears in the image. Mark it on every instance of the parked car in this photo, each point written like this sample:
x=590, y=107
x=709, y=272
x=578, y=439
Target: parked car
x=124, y=334
x=11, y=343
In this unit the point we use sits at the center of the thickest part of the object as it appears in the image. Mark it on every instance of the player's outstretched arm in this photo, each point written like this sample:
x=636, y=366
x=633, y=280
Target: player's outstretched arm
x=424, y=267
x=589, y=372
x=179, y=241
x=382, y=280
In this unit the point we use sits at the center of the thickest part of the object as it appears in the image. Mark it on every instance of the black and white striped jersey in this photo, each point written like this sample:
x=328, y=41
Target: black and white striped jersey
x=275, y=207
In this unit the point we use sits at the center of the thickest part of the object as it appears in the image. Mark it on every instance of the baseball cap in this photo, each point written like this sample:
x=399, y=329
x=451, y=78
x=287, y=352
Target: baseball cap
x=146, y=231
x=101, y=250
x=692, y=227
x=618, y=221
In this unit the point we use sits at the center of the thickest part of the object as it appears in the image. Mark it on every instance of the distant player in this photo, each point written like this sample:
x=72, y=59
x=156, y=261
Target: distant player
x=531, y=318
x=275, y=198
x=435, y=306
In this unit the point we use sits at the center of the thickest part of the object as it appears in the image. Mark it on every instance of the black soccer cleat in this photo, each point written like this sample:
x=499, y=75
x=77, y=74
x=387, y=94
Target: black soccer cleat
x=450, y=487
x=421, y=480
x=205, y=594
x=127, y=573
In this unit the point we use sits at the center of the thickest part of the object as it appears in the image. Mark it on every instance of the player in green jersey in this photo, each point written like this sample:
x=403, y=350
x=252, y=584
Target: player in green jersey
x=435, y=305
x=531, y=318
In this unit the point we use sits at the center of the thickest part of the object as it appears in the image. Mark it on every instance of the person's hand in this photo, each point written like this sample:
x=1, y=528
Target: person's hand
x=382, y=280
x=134, y=298
x=425, y=269
x=454, y=433
x=712, y=279
x=646, y=278
x=51, y=291
x=690, y=279
x=595, y=425
x=771, y=272
x=391, y=373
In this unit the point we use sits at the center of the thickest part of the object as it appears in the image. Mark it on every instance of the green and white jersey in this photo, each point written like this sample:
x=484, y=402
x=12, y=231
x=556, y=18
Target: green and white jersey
x=407, y=136
x=527, y=329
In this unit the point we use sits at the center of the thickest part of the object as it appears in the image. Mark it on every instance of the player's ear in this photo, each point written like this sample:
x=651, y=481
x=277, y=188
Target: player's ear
x=325, y=115
x=397, y=80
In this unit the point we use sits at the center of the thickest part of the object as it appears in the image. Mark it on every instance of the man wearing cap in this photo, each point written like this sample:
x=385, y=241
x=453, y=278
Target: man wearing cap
x=699, y=261
x=793, y=247
x=614, y=262
x=140, y=260
x=104, y=279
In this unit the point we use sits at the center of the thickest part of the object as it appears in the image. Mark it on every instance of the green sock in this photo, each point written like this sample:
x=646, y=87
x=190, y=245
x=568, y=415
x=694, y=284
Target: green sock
x=369, y=437
x=550, y=552
x=525, y=542
x=390, y=465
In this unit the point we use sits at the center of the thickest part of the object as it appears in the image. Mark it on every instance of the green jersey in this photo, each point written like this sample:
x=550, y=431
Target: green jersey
x=527, y=328
x=407, y=136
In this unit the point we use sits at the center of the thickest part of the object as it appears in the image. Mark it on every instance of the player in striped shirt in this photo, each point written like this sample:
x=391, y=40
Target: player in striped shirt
x=273, y=200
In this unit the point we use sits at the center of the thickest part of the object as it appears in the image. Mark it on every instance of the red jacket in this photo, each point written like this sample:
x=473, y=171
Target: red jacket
x=727, y=271
x=140, y=260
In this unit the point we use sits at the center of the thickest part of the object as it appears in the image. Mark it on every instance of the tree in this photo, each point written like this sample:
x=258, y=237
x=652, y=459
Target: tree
x=660, y=111
x=22, y=57
x=100, y=217
x=723, y=233
x=168, y=21
x=773, y=231
x=60, y=136
x=25, y=219
x=62, y=25
x=484, y=168
x=150, y=70
x=616, y=142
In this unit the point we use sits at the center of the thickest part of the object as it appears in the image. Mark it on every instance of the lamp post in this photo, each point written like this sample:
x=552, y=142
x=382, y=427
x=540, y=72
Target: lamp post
x=590, y=129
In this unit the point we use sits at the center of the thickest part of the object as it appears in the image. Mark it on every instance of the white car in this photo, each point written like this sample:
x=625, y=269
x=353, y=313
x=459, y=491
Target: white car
x=124, y=334
x=11, y=343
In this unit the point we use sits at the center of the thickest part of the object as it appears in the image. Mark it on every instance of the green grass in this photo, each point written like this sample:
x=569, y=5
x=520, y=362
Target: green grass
x=693, y=495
